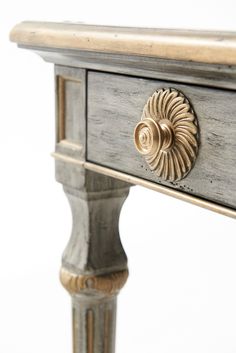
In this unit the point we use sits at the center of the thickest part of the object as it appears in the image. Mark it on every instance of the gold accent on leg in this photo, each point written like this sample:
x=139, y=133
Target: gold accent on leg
x=108, y=284
x=107, y=323
x=90, y=331
x=61, y=108
x=74, y=331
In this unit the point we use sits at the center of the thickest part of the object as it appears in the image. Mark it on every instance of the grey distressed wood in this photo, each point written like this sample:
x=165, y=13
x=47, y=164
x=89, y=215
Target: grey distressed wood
x=94, y=247
x=115, y=105
x=70, y=87
x=143, y=66
x=96, y=113
x=94, y=250
x=94, y=324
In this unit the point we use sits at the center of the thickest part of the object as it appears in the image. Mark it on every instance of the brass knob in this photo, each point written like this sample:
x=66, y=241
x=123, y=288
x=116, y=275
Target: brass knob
x=167, y=135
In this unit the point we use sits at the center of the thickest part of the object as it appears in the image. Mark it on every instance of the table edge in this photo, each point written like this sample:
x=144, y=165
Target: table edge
x=214, y=47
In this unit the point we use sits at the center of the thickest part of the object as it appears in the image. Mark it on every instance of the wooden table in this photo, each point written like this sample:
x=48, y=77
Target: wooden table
x=133, y=107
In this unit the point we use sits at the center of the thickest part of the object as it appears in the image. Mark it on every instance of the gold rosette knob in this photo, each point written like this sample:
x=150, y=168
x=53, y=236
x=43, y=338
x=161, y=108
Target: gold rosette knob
x=167, y=135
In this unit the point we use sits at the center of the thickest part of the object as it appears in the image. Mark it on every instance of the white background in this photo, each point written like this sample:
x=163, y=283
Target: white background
x=180, y=296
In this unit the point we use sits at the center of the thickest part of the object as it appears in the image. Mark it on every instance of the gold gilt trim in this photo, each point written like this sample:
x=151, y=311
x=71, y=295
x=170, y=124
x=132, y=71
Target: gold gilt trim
x=198, y=46
x=108, y=284
x=61, y=108
x=107, y=327
x=167, y=135
x=61, y=129
x=90, y=331
x=195, y=200
x=74, y=330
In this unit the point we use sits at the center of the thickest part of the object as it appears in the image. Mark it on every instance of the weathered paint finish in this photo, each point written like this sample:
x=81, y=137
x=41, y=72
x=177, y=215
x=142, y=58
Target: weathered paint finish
x=143, y=66
x=115, y=105
x=94, y=249
x=95, y=122
x=94, y=324
x=70, y=111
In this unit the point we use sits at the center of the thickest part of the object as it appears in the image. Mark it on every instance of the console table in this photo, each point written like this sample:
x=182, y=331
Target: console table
x=134, y=106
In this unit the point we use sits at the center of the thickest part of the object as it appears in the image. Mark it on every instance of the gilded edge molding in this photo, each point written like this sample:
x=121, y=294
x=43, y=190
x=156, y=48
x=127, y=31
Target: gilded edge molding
x=108, y=284
x=167, y=135
x=211, y=47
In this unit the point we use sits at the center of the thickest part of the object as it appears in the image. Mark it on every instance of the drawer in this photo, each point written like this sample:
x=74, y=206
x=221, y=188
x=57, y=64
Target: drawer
x=114, y=107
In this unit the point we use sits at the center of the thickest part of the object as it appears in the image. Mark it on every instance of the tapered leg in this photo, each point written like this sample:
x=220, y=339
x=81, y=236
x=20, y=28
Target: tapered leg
x=94, y=264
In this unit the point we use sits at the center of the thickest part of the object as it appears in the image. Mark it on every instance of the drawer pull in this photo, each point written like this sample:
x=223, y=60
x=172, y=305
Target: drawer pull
x=167, y=135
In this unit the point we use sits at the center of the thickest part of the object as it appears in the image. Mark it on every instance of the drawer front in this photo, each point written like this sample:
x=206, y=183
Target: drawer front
x=115, y=105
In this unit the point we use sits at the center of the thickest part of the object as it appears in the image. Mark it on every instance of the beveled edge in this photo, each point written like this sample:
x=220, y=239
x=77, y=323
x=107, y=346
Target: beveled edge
x=223, y=210
x=185, y=45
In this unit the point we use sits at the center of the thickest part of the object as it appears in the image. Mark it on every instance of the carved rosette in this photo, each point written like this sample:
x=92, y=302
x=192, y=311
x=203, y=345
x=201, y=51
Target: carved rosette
x=167, y=135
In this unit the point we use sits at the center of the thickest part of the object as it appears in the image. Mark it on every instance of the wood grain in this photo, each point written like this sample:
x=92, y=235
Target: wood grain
x=115, y=106
x=94, y=262
x=143, y=66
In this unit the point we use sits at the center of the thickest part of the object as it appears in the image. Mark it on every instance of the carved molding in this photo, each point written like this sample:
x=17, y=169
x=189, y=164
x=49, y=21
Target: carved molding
x=108, y=284
x=62, y=83
x=167, y=135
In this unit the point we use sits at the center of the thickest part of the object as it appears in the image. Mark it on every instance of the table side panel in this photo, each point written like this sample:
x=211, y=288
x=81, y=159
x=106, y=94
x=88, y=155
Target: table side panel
x=70, y=111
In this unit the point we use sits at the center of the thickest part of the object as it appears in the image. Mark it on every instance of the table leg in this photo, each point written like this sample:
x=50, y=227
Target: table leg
x=94, y=264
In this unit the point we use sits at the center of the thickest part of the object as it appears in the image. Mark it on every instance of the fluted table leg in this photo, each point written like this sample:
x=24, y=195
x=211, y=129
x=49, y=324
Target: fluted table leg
x=94, y=264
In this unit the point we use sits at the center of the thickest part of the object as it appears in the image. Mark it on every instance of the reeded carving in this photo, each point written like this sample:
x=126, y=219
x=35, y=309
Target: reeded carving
x=167, y=135
x=90, y=331
x=107, y=284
